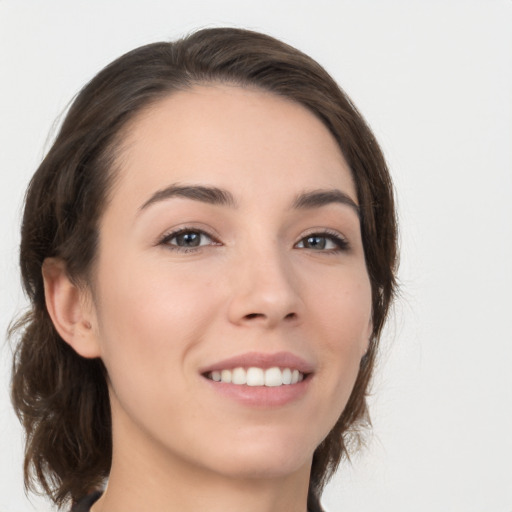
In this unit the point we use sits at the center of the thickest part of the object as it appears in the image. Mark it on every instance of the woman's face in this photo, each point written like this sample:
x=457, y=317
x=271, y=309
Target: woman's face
x=232, y=240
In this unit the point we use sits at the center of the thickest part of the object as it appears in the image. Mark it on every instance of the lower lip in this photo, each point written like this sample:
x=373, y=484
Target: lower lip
x=262, y=396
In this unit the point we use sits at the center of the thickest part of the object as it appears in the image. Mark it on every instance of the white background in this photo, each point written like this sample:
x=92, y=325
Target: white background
x=434, y=80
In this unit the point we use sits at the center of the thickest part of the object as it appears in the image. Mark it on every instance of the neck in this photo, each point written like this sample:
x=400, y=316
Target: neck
x=141, y=489
x=145, y=477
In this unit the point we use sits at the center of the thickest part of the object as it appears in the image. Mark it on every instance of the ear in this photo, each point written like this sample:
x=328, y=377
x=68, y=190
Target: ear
x=70, y=308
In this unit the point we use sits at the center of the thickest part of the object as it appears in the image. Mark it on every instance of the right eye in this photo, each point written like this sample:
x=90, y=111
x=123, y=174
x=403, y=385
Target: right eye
x=184, y=239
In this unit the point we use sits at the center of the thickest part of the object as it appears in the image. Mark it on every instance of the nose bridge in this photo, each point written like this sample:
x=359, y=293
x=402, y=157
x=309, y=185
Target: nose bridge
x=264, y=285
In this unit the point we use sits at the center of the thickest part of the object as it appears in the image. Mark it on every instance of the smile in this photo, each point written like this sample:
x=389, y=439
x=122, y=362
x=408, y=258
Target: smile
x=255, y=376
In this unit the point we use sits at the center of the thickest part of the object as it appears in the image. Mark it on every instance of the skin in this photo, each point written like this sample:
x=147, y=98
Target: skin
x=159, y=313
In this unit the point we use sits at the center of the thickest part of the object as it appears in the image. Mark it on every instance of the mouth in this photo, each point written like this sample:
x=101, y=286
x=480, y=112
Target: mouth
x=261, y=380
x=257, y=377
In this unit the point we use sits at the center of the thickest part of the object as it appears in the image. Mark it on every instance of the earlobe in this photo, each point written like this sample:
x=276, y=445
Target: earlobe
x=69, y=308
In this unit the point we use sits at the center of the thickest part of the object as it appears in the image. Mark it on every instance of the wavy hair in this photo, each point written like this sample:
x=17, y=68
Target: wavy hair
x=61, y=398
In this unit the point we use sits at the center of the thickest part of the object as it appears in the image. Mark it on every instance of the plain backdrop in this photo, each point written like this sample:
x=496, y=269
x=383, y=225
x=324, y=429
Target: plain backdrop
x=434, y=80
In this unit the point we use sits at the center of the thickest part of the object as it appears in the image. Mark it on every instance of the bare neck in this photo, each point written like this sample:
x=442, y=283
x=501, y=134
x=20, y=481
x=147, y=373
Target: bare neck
x=145, y=477
x=147, y=489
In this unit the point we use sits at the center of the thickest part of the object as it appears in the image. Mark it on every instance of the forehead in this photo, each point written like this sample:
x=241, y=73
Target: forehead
x=241, y=139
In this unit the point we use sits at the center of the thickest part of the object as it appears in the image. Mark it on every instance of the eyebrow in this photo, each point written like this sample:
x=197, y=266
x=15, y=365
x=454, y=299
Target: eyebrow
x=210, y=195
x=318, y=198
x=222, y=197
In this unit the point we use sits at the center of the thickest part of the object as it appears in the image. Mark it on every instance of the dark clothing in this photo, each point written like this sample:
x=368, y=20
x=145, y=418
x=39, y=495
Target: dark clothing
x=85, y=504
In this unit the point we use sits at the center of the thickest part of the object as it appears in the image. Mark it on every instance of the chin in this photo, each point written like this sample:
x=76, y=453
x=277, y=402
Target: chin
x=266, y=458
x=247, y=468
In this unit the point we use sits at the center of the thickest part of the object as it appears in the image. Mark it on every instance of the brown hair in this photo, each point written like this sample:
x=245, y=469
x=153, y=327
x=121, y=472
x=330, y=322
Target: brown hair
x=62, y=398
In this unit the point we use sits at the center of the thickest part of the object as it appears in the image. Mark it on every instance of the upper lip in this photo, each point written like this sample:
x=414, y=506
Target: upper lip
x=261, y=360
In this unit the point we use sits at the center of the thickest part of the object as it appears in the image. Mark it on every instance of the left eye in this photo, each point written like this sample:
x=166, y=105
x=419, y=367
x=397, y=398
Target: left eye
x=319, y=242
x=188, y=239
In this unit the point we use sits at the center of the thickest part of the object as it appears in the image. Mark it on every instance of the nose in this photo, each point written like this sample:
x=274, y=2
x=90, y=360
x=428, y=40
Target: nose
x=265, y=291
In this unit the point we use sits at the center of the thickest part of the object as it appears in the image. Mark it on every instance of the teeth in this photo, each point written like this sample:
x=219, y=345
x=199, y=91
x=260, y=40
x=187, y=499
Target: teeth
x=239, y=376
x=255, y=377
x=272, y=377
x=225, y=376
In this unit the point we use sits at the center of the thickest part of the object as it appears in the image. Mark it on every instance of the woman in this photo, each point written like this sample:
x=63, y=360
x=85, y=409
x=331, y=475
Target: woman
x=210, y=248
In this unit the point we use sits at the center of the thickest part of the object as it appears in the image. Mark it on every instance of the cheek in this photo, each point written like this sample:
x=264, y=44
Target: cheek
x=342, y=304
x=343, y=313
x=142, y=298
x=150, y=322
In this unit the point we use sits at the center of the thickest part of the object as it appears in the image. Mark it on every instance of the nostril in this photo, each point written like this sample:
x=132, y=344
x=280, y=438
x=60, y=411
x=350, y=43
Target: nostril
x=250, y=316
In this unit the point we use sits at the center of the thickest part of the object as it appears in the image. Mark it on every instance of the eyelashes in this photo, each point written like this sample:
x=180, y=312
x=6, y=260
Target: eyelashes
x=324, y=241
x=188, y=239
